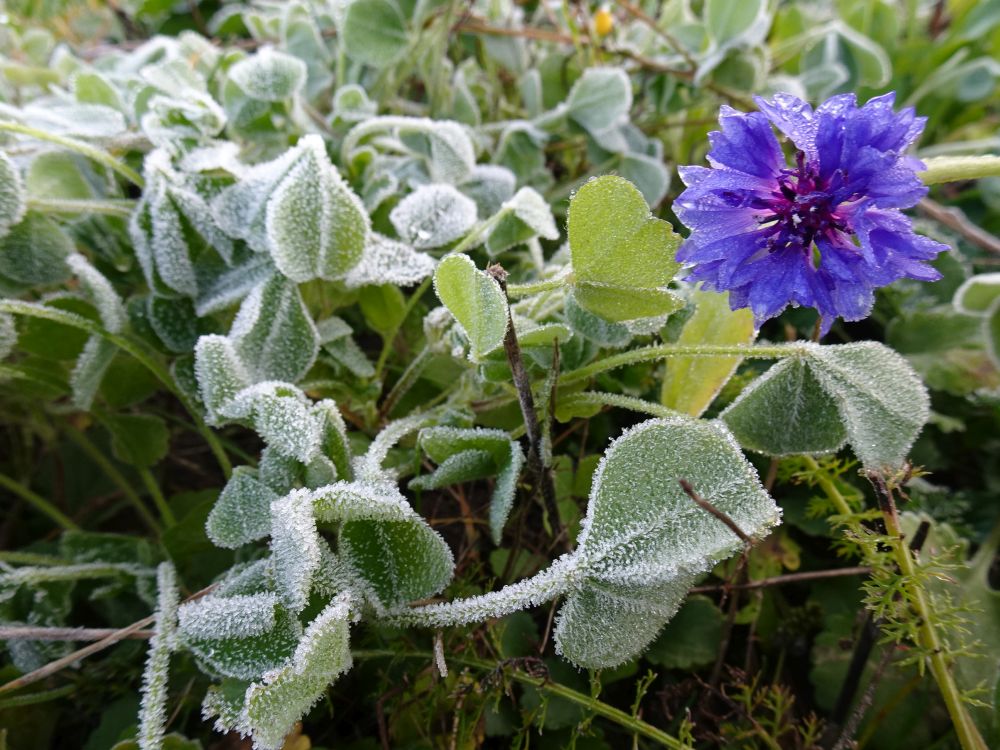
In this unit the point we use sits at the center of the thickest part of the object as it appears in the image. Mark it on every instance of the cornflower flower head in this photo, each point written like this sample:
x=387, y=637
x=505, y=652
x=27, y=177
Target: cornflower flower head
x=824, y=232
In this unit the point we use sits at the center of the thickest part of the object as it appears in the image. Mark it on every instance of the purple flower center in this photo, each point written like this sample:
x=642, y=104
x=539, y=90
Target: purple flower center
x=802, y=207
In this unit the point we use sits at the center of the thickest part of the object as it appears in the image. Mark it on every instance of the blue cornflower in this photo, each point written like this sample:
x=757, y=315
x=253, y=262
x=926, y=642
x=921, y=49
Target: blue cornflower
x=823, y=233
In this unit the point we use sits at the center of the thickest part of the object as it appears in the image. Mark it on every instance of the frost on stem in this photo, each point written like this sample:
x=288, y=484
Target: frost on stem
x=153, y=709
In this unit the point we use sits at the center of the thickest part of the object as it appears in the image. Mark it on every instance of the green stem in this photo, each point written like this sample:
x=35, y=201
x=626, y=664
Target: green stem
x=114, y=475
x=662, y=351
x=410, y=376
x=31, y=558
x=956, y=168
x=472, y=238
x=558, y=281
x=116, y=207
x=166, y=513
x=390, y=336
x=617, y=399
x=33, y=310
x=968, y=735
x=30, y=699
x=828, y=486
x=623, y=719
x=38, y=502
x=80, y=147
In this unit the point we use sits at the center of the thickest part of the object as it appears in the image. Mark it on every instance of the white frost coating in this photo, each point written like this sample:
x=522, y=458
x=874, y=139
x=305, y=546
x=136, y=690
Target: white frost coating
x=369, y=466
x=530, y=207
x=242, y=513
x=556, y=580
x=8, y=335
x=220, y=374
x=882, y=401
x=99, y=290
x=272, y=706
x=89, y=370
x=233, y=285
x=240, y=208
x=452, y=155
x=12, y=200
x=439, y=662
x=600, y=99
x=269, y=75
x=153, y=709
x=170, y=120
x=432, y=216
x=387, y=261
x=315, y=226
x=69, y=118
x=489, y=185
x=217, y=617
x=274, y=334
x=295, y=547
x=280, y=413
x=216, y=155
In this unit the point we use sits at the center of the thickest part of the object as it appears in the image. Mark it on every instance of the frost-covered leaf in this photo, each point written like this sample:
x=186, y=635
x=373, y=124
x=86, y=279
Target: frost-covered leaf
x=644, y=540
x=524, y=216
x=977, y=294
x=100, y=292
x=273, y=333
x=786, y=411
x=489, y=185
x=221, y=374
x=463, y=455
x=393, y=551
x=8, y=335
x=242, y=513
x=269, y=75
x=316, y=227
x=432, y=216
x=599, y=99
x=174, y=321
x=172, y=227
x=334, y=444
x=595, y=328
x=691, y=383
x=34, y=251
x=222, y=617
x=443, y=146
x=281, y=415
x=991, y=331
x=623, y=258
x=89, y=370
x=247, y=658
x=648, y=173
x=476, y=301
x=72, y=119
x=271, y=707
x=882, y=401
x=12, y=199
x=386, y=261
x=155, y=677
x=374, y=32
x=295, y=547
x=232, y=285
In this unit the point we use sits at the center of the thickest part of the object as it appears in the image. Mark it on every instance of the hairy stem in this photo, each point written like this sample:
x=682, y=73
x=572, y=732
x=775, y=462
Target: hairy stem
x=561, y=279
x=390, y=337
x=968, y=735
x=829, y=488
x=402, y=386
x=603, y=398
x=957, y=168
x=80, y=147
x=662, y=351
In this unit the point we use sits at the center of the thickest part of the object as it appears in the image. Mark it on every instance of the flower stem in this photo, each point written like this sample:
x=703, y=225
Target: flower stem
x=662, y=351
x=827, y=485
x=968, y=735
x=38, y=502
x=956, y=168
x=80, y=147
x=603, y=398
x=390, y=336
x=410, y=376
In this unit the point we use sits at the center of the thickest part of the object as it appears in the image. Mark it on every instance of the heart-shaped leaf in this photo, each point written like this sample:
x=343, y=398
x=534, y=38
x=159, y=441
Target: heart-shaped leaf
x=623, y=257
x=644, y=540
x=476, y=301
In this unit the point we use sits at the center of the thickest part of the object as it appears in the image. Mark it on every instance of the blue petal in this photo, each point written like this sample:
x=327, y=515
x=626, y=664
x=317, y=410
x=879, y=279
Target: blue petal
x=794, y=118
x=746, y=144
